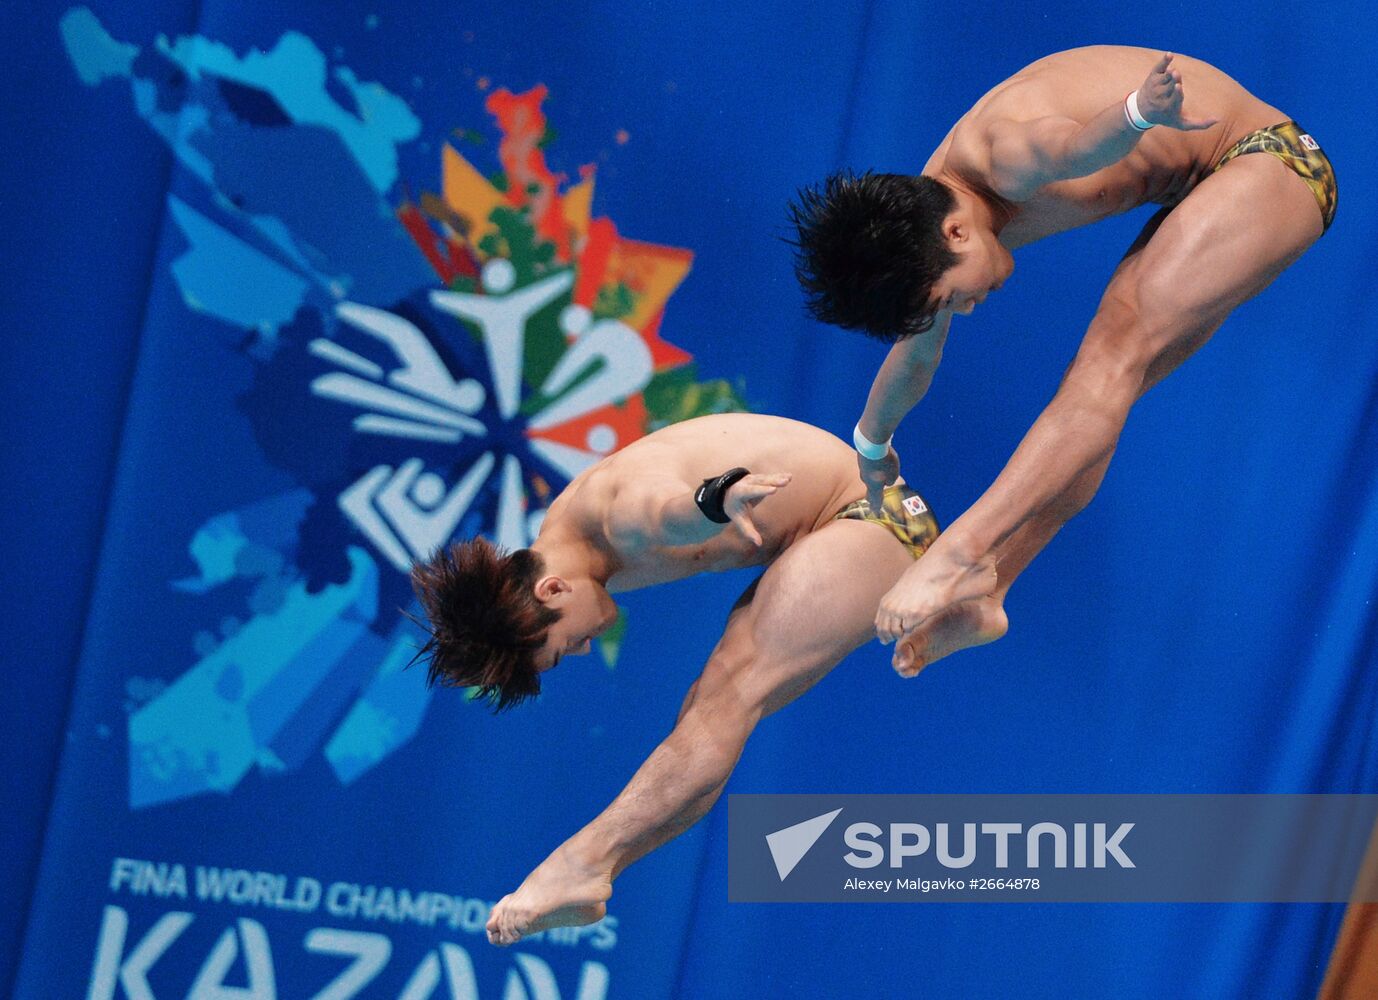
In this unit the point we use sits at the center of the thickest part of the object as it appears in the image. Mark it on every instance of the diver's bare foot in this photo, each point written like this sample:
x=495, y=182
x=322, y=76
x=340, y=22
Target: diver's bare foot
x=970, y=623
x=559, y=893
x=941, y=579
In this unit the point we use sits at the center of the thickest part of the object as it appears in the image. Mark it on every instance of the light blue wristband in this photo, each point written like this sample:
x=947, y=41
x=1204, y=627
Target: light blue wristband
x=868, y=448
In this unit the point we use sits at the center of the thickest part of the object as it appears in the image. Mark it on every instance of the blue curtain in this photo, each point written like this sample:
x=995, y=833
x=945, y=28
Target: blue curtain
x=226, y=224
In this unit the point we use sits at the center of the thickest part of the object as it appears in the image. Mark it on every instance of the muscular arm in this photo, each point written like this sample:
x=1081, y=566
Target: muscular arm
x=661, y=510
x=903, y=379
x=654, y=511
x=1024, y=156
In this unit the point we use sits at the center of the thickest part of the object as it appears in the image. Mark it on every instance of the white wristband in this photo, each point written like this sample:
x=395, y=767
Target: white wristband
x=1131, y=111
x=867, y=447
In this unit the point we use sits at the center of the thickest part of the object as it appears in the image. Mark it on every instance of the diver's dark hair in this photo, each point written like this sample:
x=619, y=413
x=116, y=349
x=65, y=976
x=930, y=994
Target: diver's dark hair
x=484, y=621
x=870, y=248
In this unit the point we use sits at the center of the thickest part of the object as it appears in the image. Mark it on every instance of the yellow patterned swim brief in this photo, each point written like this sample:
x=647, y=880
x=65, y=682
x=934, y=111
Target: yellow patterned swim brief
x=905, y=515
x=1301, y=153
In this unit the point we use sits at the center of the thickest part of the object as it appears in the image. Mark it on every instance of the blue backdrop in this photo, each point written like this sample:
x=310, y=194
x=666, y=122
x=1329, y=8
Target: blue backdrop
x=233, y=405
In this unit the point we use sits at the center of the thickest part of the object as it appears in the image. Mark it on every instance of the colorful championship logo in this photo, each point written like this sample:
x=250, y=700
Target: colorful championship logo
x=425, y=367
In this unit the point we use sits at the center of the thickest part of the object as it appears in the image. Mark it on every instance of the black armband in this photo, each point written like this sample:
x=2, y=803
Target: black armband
x=710, y=495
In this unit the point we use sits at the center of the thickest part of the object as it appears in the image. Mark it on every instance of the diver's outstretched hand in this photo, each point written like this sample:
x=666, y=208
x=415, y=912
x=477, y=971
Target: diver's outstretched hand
x=743, y=496
x=1160, y=99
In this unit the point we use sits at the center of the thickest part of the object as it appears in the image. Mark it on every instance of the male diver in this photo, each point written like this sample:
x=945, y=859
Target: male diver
x=713, y=493
x=1068, y=140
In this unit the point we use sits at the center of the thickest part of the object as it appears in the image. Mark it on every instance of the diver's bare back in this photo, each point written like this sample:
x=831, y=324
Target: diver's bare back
x=824, y=480
x=1079, y=84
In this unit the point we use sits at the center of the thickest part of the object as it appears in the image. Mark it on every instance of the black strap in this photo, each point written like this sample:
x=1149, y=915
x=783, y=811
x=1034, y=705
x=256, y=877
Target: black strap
x=709, y=496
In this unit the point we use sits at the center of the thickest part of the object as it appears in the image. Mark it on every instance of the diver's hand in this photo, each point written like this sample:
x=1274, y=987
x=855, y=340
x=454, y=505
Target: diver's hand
x=877, y=474
x=743, y=495
x=1160, y=99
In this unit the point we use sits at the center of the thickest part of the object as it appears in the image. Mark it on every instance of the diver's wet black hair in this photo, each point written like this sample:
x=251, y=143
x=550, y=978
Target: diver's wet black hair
x=870, y=248
x=485, y=625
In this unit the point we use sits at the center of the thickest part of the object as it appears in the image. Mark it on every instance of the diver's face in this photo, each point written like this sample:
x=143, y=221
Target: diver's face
x=982, y=266
x=586, y=612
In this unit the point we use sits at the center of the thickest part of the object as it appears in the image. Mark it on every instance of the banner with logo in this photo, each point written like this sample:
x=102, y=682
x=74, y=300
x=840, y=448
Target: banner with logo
x=359, y=358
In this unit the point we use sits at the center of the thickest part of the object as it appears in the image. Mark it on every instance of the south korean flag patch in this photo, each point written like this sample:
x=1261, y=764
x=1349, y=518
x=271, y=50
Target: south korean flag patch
x=1309, y=142
x=914, y=506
